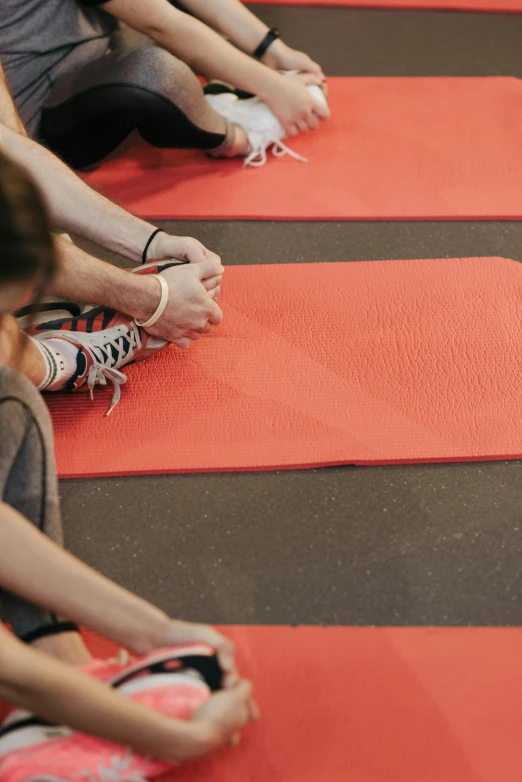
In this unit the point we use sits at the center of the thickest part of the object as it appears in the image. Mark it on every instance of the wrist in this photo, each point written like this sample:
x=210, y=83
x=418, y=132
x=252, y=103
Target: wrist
x=187, y=741
x=269, y=85
x=131, y=240
x=273, y=56
x=157, y=635
x=156, y=247
x=144, y=296
x=205, y=736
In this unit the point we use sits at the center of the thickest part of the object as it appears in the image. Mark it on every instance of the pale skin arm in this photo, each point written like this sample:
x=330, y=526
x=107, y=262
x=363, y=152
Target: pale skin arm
x=56, y=691
x=233, y=19
x=75, y=207
x=59, y=582
x=206, y=52
x=61, y=694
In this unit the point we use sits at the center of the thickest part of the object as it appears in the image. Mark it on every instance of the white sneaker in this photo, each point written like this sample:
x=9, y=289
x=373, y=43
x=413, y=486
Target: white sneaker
x=262, y=127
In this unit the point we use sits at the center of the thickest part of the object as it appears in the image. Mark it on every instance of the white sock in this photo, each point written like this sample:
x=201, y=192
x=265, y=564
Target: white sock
x=60, y=357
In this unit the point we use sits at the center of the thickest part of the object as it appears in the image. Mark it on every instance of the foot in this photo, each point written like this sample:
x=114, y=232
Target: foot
x=105, y=340
x=175, y=682
x=261, y=126
x=101, y=354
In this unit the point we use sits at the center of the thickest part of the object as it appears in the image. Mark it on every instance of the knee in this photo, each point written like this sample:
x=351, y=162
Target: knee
x=153, y=68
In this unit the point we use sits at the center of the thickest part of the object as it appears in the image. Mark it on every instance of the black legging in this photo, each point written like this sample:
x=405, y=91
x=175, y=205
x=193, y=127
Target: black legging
x=92, y=110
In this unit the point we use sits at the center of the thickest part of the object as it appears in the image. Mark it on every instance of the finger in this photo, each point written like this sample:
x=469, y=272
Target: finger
x=231, y=679
x=236, y=738
x=212, y=255
x=209, y=268
x=315, y=68
x=182, y=343
x=214, y=293
x=194, y=335
x=255, y=714
x=224, y=647
x=309, y=78
x=302, y=124
x=244, y=690
x=192, y=250
x=215, y=317
x=212, y=282
x=321, y=109
x=226, y=652
x=293, y=130
x=313, y=121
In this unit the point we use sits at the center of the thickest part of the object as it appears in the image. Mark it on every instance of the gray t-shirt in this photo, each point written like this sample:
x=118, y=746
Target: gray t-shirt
x=42, y=40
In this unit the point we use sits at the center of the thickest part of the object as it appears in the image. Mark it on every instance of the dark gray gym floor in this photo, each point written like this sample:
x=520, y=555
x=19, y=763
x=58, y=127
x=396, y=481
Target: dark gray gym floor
x=397, y=545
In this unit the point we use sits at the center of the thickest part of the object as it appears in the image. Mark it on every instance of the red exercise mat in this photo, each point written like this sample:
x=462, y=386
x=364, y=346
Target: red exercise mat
x=375, y=705
x=396, y=149
x=495, y=6
x=319, y=364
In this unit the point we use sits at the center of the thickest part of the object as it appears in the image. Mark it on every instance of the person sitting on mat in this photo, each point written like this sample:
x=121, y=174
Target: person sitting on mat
x=83, y=100
x=45, y=667
x=190, y=309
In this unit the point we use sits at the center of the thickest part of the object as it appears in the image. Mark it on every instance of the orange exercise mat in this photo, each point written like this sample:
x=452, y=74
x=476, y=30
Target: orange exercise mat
x=395, y=149
x=374, y=705
x=496, y=6
x=320, y=364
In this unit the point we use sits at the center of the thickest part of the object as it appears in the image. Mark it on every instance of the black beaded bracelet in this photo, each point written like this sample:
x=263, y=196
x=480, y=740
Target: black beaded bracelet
x=271, y=36
x=151, y=237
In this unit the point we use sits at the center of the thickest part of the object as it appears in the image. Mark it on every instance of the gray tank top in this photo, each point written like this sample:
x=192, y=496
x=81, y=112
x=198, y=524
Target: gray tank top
x=41, y=40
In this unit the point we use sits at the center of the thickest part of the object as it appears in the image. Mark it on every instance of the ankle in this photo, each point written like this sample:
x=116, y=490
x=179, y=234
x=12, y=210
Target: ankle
x=236, y=143
x=60, y=358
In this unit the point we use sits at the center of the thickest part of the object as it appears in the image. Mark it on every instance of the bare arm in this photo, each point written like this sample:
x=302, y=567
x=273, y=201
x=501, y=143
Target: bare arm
x=194, y=43
x=58, y=581
x=63, y=695
x=58, y=692
x=208, y=53
x=77, y=208
x=233, y=19
x=73, y=205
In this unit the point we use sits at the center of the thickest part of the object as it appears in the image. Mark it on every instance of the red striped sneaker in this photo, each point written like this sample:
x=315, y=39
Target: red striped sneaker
x=175, y=682
x=106, y=340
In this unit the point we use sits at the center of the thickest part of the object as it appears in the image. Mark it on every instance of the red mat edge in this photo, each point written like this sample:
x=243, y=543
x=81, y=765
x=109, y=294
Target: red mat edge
x=287, y=467
x=391, y=7
x=328, y=218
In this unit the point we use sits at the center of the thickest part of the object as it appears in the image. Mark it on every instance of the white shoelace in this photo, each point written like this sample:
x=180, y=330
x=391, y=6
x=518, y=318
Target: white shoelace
x=120, y=340
x=258, y=157
x=263, y=129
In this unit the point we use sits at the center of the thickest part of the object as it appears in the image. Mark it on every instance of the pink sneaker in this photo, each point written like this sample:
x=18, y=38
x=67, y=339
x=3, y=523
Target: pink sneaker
x=173, y=681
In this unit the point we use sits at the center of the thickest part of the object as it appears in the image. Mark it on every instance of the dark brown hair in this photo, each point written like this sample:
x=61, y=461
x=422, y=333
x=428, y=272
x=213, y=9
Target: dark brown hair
x=26, y=245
